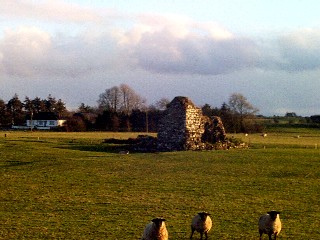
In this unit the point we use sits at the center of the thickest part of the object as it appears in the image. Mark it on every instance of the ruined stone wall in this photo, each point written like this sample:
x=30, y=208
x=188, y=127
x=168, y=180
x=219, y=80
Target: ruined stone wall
x=171, y=133
x=183, y=127
x=194, y=127
x=213, y=130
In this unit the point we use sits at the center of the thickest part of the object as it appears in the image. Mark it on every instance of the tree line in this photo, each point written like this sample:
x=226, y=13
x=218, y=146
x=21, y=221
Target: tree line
x=120, y=108
x=15, y=111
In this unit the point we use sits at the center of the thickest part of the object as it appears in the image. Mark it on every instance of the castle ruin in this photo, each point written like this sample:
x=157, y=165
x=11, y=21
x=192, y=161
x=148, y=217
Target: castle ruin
x=183, y=127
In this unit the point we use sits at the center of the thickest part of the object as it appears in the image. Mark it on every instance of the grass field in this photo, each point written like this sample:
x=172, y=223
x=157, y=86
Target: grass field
x=74, y=186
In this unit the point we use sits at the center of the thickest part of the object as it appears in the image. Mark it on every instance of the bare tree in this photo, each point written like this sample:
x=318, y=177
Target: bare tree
x=162, y=104
x=241, y=108
x=110, y=99
x=130, y=99
x=240, y=105
x=120, y=99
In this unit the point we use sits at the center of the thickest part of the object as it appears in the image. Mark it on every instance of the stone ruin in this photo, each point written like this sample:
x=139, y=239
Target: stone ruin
x=183, y=127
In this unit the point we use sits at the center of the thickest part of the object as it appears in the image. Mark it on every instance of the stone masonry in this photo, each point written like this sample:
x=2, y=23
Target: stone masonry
x=183, y=127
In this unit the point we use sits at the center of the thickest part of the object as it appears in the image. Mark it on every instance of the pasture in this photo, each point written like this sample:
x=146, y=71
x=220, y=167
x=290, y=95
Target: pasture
x=74, y=186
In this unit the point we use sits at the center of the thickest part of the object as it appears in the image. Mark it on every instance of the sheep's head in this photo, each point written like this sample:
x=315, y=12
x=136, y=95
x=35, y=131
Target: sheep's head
x=203, y=215
x=158, y=221
x=273, y=214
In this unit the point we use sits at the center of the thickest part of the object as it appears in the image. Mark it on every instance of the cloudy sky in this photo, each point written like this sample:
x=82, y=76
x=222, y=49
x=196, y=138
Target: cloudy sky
x=267, y=50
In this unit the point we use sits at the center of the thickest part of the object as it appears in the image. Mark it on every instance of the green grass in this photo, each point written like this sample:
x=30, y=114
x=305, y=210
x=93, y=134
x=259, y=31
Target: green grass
x=284, y=138
x=73, y=186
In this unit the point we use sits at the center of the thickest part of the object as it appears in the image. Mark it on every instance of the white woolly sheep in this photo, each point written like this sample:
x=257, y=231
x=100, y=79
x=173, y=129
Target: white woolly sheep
x=155, y=230
x=201, y=223
x=270, y=224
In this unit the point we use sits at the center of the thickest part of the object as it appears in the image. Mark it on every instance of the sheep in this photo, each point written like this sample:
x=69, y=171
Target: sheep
x=201, y=223
x=155, y=230
x=124, y=152
x=270, y=224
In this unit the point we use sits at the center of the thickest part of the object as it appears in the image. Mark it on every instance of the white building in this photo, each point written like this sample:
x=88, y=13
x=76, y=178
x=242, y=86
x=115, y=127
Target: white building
x=44, y=121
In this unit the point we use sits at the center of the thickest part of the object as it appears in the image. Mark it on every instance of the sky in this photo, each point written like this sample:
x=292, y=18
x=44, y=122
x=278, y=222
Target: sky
x=266, y=50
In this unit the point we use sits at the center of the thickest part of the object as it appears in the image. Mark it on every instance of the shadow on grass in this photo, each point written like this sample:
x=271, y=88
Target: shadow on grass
x=142, y=143
x=110, y=148
x=16, y=163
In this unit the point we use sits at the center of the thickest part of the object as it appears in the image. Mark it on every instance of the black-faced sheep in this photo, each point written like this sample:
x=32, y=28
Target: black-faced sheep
x=201, y=223
x=155, y=230
x=270, y=224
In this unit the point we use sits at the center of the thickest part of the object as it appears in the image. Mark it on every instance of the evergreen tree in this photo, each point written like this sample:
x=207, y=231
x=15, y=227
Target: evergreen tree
x=5, y=117
x=15, y=110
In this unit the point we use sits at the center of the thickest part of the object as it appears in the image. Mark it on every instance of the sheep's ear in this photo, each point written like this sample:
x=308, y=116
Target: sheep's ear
x=158, y=220
x=273, y=212
x=204, y=213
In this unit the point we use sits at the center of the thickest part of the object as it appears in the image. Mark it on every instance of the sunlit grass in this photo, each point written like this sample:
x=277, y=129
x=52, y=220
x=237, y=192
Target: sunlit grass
x=65, y=186
x=289, y=138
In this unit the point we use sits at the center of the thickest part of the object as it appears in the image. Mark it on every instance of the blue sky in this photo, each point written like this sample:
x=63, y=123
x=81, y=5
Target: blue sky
x=269, y=51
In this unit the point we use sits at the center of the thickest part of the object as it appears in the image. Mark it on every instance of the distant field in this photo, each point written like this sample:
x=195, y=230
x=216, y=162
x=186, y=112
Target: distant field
x=283, y=138
x=74, y=186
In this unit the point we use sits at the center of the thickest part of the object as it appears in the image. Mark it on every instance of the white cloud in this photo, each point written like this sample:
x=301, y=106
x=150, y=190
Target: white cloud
x=209, y=49
x=33, y=52
x=178, y=45
x=214, y=30
x=173, y=44
x=63, y=49
x=156, y=43
x=23, y=51
x=52, y=10
x=194, y=55
x=300, y=50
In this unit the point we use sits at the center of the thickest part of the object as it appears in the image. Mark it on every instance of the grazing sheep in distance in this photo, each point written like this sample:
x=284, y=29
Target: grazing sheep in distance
x=155, y=230
x=264, y=135
x=270, y=224
x=124, y=152
x=201, y=223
